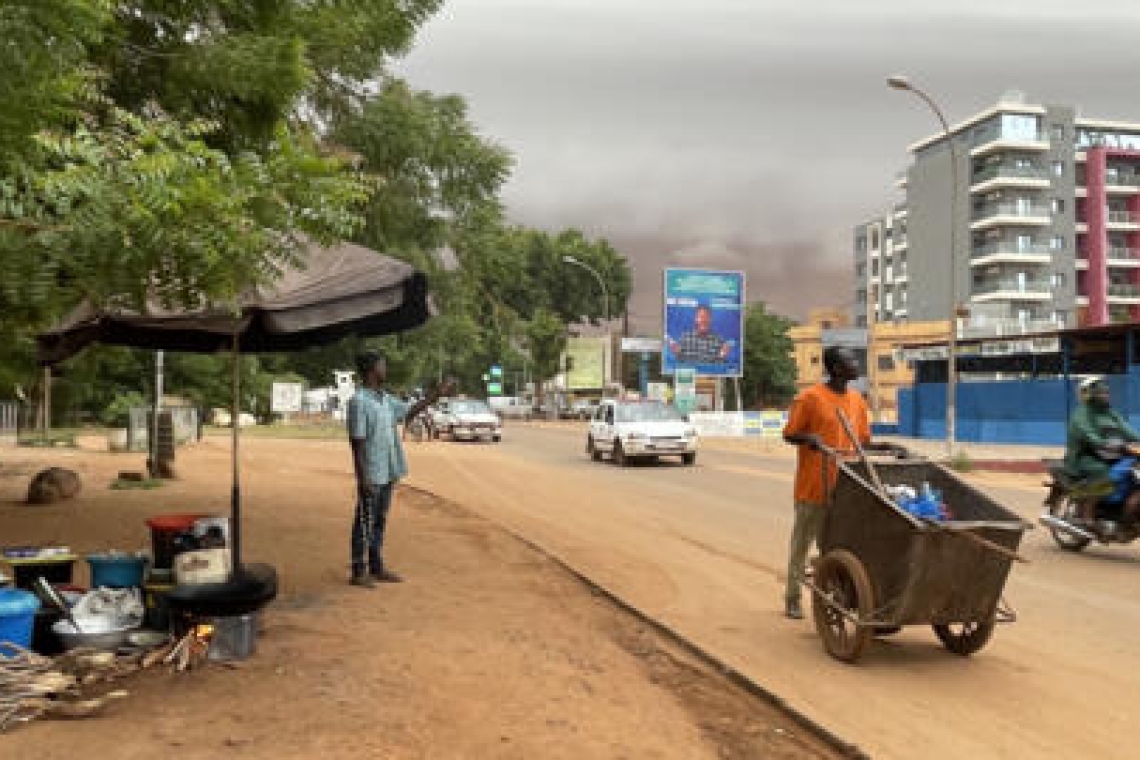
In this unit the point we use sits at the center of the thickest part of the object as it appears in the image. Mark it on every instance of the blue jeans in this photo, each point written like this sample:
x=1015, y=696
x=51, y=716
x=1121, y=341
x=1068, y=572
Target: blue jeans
x=368, y=530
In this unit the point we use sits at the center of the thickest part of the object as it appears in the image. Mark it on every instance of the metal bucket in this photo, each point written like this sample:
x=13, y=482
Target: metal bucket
x=234, y=638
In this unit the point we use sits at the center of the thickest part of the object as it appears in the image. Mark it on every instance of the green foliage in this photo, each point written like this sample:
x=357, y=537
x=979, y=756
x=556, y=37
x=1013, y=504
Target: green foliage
x=118, y=412
x=175, y=153
x=962, y=462
x=769, y=370
x=546, y=340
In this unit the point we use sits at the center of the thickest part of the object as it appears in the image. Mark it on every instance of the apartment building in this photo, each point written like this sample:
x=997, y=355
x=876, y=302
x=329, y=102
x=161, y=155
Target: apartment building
x=1047, y=225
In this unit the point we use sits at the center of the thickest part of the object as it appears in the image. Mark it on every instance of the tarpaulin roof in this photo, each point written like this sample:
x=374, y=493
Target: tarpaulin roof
x=331, y=293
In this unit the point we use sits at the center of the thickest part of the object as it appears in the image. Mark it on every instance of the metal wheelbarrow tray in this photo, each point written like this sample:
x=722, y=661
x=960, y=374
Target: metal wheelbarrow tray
x=881, y=568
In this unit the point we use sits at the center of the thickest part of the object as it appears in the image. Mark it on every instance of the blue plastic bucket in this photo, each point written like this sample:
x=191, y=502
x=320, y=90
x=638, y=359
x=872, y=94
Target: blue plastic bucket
x=17, y=616
x=116, y=570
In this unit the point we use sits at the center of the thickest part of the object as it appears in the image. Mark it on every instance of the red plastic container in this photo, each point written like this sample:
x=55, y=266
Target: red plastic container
x=163, y=530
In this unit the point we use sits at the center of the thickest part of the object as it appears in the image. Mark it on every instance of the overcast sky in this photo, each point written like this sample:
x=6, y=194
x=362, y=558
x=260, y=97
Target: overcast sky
x=750, y=133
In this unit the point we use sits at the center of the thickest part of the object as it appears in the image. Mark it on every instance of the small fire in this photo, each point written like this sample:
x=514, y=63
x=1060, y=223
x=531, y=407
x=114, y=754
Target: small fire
x=203, y=632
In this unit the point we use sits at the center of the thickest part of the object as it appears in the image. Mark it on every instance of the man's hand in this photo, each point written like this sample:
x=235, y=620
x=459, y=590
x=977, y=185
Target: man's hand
x=725, y=350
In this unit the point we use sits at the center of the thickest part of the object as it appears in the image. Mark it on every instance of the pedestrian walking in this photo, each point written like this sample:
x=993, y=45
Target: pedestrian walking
x=379, y=462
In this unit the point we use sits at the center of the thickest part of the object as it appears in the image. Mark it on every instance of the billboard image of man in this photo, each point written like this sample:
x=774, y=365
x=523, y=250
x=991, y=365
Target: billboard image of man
x=700, y=345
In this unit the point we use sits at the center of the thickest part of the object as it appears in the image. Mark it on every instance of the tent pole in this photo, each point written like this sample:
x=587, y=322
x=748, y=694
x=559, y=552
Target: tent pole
x=235, y=495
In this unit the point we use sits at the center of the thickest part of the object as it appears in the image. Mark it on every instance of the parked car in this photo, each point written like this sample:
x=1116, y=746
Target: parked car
x=469, y=420
x=583, y=408
x=630, y=430
x=511, y=408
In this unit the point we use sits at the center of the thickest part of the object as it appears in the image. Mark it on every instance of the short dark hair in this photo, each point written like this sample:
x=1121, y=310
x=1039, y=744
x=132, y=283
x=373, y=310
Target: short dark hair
x=366, y=360
x=833, y=355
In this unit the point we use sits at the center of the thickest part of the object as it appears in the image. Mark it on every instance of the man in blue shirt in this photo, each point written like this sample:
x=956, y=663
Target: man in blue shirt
x=379, y=462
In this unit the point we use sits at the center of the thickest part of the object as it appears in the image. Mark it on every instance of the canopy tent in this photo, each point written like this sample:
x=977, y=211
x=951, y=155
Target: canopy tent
x=329, y=294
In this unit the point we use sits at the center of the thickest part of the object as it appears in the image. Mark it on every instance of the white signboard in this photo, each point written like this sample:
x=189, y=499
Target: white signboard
x=641, y=345
x=718, y=424
x=287, y=398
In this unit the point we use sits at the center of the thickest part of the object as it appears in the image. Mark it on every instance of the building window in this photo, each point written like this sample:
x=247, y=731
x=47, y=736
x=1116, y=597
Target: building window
x=1058, y=280
x=874, y=267
x=875, y=238
x=886, y=363
x=1058, y=206
x=860, y=270
x=1058, y=133
x=1058, y=168
x=1057, y=243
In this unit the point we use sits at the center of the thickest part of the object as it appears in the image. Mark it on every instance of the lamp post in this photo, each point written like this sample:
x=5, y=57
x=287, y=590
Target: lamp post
x=602, y=283
x=899, y=82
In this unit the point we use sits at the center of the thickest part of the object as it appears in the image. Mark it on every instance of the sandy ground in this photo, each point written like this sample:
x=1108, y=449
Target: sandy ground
x=704, y=548
x=489, y=650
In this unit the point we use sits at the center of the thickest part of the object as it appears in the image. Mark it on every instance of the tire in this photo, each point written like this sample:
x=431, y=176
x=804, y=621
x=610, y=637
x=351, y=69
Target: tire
x=842, y=578
x=592, y=450
x=620, y=459
x=1064, y=507
x=689, y=459
x=964, y=639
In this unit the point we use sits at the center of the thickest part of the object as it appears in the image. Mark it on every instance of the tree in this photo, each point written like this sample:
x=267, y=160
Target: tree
x=769, y=370
x=546, y=340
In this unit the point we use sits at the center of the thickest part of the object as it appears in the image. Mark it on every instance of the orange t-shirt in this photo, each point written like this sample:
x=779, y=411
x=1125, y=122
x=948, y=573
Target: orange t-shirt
x=814, y=411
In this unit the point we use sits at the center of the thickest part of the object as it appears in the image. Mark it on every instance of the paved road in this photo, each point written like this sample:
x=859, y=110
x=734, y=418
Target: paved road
x=703, y=549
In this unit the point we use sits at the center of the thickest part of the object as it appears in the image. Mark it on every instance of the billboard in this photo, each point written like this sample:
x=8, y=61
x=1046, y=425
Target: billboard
x=704, y=322
x=587, y=363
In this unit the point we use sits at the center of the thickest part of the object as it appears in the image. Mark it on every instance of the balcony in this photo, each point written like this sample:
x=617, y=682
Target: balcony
x=1012, y=289
x=1010, y=252
x=1021, y=214
x=1123, y=220
x=1124, y=293
x=1126, y=257
x=994, y=139
x=1009, y=175
x=1122, y=183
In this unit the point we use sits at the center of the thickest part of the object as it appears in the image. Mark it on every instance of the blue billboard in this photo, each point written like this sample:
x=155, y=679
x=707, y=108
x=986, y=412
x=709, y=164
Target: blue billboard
x=704, y=322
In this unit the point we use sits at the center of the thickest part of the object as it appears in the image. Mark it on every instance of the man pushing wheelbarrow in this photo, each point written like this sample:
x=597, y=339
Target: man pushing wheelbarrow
x=814, y=426
x=889, y=560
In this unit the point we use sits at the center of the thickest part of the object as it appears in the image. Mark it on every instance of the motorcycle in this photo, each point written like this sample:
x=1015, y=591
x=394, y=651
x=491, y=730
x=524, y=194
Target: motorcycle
x=1066, y=495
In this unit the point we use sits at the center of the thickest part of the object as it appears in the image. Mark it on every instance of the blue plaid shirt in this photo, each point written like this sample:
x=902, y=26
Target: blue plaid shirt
x=694, y=348
x=373, y=417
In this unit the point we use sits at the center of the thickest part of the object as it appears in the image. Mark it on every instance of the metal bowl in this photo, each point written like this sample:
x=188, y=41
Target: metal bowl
x=97, y=633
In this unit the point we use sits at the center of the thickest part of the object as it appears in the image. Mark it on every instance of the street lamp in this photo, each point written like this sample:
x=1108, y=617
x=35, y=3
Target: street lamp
x=605, y=293
x=900, y=82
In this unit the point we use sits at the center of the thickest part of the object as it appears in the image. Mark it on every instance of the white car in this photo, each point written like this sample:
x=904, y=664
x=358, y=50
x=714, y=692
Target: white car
x=629, y=430
x=468, y=420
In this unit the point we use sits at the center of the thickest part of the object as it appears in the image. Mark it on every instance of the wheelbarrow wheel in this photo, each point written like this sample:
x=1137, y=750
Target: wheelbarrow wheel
x=842, y=586
x=965, y=639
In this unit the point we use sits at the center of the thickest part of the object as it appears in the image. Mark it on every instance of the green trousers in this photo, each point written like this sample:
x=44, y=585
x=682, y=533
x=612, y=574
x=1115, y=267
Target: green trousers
x=809, y=524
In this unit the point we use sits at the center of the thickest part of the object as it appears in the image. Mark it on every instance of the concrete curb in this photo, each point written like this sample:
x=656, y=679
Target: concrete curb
x=828, y=737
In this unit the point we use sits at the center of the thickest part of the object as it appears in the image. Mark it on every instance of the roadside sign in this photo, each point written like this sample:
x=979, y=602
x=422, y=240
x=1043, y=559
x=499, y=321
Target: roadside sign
x=641, y=345
x=685, y=389
x=704, y=322
x=494, y=389
x=496, y=371
x=286, y=398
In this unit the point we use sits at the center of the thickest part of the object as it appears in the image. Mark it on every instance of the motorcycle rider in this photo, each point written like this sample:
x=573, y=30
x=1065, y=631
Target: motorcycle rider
x=1097, y=440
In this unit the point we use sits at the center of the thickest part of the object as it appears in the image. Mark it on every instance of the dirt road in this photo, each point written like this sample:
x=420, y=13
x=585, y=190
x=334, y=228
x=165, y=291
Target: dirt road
x=704, y=548
x=489, y=650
